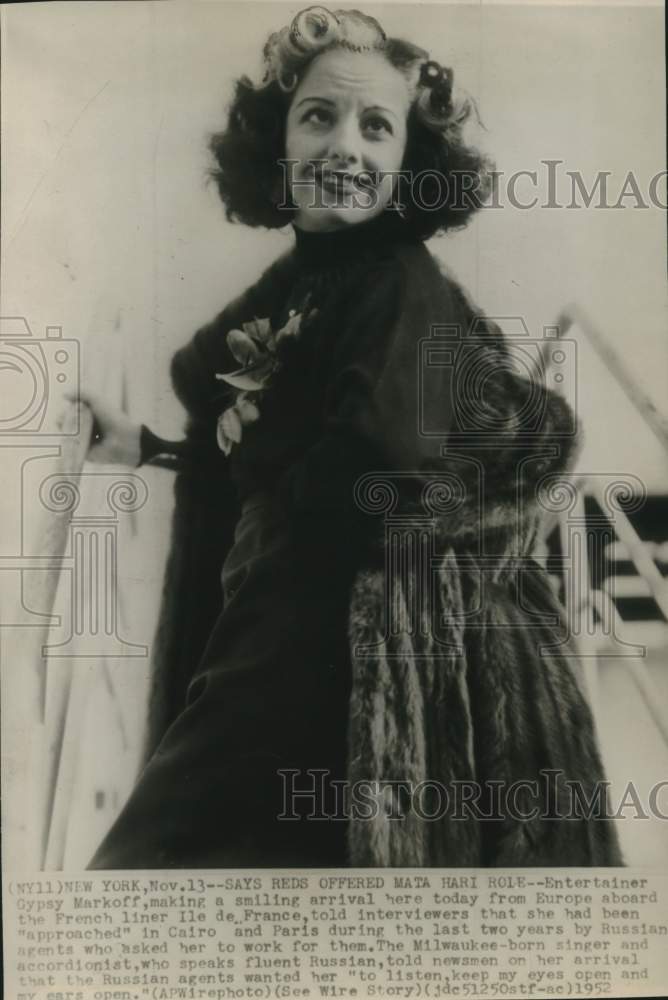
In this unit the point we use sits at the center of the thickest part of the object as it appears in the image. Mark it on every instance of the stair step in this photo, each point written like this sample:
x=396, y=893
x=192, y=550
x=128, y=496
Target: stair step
x=651, y=634
x=626, y=586
x=619, y=552
x=636, y=609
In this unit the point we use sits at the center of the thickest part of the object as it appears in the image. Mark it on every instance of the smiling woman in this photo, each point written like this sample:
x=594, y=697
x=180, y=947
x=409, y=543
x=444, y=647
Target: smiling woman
x=383, y=636
x=346, y=133
x=338, y=81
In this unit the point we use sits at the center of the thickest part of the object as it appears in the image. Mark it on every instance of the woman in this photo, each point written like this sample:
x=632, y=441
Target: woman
x=314, y=455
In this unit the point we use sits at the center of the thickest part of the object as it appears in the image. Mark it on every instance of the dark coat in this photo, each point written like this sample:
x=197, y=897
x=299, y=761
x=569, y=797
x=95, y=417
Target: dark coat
x=446, y=663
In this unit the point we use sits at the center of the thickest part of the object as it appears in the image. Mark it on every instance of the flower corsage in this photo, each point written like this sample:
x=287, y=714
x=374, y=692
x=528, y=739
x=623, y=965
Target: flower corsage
x=255, y=348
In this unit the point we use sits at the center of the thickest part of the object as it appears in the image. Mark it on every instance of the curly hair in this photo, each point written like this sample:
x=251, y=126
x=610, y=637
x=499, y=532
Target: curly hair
x=451, y=178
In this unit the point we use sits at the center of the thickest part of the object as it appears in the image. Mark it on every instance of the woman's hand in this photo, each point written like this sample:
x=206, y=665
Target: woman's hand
x=116, y=436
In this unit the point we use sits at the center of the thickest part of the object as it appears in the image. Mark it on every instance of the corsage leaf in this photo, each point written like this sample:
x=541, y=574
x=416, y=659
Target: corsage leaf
x=240, y=380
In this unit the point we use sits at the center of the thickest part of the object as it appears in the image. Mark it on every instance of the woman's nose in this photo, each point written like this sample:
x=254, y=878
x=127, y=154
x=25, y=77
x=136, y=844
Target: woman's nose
x=344, y=145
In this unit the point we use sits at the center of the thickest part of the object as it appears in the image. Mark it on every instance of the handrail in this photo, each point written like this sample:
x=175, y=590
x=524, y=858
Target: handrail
x=655, y=420
x=637, y=668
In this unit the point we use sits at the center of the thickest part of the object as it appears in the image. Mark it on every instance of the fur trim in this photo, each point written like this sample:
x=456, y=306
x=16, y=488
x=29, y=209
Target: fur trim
x=454, y=681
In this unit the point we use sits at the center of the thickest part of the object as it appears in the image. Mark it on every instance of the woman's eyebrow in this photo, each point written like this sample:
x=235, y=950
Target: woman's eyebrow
x=327, y=100
x=323, y=100
x=379, y=107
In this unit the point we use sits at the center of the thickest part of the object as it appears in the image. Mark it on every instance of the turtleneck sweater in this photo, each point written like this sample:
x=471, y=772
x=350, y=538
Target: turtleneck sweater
x=320, y=248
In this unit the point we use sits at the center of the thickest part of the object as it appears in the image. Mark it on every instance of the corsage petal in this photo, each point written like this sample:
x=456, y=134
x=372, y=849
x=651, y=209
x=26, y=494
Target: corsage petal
x=291, y=328
x=242, y=347
x=247, y=410
x=240, y=380
x=231, y=425
x=259, y=329
x=224, y=442
x=265, y=369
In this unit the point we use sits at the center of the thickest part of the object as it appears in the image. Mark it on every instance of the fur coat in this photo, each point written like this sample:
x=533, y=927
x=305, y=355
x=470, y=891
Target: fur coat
x=469, y=741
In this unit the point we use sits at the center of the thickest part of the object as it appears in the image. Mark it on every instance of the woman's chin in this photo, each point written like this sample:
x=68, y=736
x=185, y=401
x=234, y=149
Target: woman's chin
x=325, y=218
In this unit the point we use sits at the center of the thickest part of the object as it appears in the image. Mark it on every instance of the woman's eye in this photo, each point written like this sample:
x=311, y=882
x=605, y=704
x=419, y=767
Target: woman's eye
x=318, y=116
x=377, y=126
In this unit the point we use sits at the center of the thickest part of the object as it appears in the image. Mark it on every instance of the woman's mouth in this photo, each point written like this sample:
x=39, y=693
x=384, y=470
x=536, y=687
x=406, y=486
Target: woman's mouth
x=342, y=182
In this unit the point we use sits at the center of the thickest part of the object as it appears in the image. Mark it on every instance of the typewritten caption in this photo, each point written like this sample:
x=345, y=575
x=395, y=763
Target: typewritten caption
x=319, y=934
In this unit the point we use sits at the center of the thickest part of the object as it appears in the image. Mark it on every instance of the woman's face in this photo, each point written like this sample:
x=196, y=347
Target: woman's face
x=349, y=112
